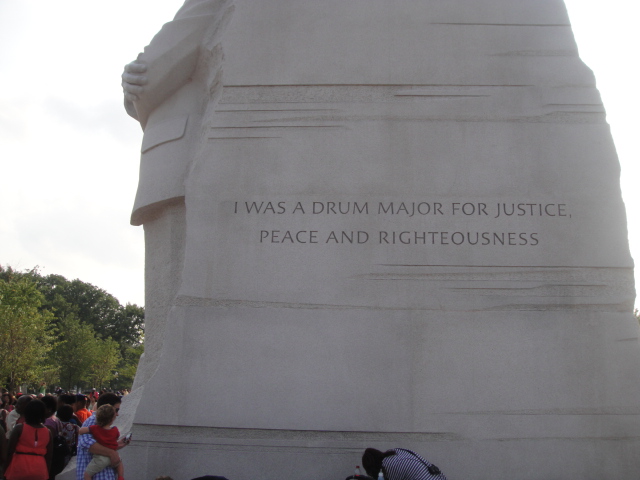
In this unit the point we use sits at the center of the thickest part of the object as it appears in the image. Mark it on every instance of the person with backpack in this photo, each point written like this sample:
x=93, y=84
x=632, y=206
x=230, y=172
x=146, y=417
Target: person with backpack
x=399, y=464
x=69, y=399
x=69, y=430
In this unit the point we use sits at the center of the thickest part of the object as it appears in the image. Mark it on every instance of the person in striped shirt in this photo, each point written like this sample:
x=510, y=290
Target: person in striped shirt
x=399, y=464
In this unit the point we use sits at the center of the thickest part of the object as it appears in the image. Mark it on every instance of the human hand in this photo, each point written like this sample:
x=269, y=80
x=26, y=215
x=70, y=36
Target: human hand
x=124, y=441
x=133, y=80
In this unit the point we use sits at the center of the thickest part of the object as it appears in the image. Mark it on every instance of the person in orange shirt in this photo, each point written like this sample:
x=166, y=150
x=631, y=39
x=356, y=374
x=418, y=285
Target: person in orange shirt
x=80, y=408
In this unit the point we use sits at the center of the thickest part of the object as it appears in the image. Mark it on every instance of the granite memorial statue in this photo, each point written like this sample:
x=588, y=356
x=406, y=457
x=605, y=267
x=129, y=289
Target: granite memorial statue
x=168, y=89
x=372, y=223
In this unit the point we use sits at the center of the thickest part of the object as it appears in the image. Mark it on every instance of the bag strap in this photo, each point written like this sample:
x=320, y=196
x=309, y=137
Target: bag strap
x=433, y=470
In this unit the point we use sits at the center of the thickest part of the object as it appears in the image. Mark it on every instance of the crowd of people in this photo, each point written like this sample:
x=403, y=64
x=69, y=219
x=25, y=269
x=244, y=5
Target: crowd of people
x=40, y=433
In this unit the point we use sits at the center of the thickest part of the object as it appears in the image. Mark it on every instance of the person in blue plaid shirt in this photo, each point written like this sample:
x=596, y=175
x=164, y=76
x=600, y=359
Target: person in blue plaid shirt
x=87, y=445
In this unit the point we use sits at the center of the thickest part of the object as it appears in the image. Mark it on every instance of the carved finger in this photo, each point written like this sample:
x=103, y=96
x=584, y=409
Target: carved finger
x=132, y=79
x=135, y=67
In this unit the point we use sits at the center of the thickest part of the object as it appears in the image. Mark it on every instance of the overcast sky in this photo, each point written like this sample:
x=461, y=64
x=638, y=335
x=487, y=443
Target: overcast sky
x=69, y=153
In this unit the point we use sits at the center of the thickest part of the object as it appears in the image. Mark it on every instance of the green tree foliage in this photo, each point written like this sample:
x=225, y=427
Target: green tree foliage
x=105, y=359
x=128, y=366
x=75, y=351
x=95, y=307
x=95, y=335
x=25, y=333
x=131, y=327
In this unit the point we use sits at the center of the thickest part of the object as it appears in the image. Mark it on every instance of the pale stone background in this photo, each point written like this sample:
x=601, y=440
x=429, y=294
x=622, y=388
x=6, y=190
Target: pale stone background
x=69, y=153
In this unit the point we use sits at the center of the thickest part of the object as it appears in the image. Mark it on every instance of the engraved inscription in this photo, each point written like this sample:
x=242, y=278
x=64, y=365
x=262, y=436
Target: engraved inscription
x=410, y=210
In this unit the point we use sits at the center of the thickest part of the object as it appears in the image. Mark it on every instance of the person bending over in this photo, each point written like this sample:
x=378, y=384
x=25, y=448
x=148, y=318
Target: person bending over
x=399, y=464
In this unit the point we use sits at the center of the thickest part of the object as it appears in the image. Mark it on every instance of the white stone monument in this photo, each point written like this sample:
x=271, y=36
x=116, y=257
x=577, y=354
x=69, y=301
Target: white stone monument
x=380, y=223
